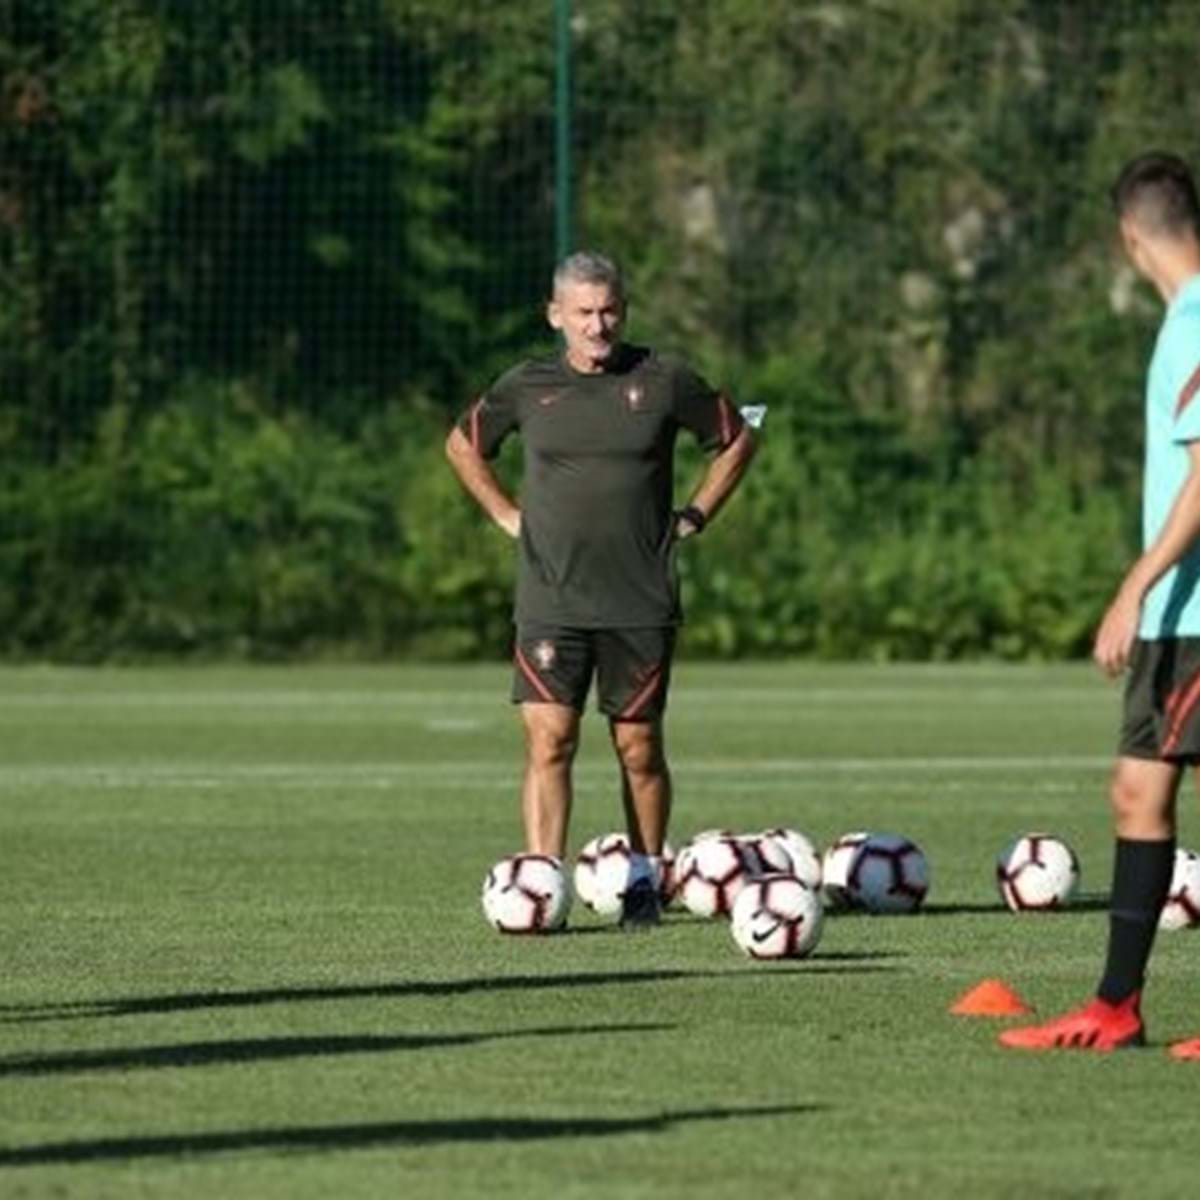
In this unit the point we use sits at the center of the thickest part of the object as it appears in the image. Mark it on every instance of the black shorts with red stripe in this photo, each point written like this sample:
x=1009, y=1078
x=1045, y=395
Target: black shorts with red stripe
x=1161, y=718
x=632, y=667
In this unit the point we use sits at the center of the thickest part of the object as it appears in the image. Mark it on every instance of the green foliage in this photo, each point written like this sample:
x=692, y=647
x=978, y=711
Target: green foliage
x=255, y=246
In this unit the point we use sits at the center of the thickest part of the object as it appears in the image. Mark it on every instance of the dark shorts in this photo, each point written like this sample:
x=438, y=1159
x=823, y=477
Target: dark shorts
x=555, y=664
x=1161, y=718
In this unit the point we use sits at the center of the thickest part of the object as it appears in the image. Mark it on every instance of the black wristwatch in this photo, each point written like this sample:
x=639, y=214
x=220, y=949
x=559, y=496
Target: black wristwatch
x=693, y=516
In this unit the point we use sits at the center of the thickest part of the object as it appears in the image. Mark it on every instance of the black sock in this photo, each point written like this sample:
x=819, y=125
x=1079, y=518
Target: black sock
x=1141, y=882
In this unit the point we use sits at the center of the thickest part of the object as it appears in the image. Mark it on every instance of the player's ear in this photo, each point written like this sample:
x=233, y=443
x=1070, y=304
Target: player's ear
x=553, y=314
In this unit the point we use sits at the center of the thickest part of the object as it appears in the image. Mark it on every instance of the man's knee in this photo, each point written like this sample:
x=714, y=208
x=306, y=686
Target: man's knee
x=639, y=746
x=1141, y=796
x=551, y=744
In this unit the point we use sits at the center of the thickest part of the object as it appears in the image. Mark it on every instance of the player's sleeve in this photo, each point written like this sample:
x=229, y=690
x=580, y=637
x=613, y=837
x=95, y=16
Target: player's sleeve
x=708, y=414
x=1185, y=379
x=491, y=418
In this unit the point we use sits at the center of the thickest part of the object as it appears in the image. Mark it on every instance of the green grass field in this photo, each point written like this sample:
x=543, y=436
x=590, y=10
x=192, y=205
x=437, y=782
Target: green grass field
x=243, y=954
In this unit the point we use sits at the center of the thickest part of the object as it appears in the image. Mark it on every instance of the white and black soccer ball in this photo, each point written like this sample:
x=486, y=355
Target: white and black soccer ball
x=526, y=893
x=1182, y=909
x=711, y=873
x=835, y=869
x=777, y=916
x=792, y=852
x=888, y=873
x=1037, y=872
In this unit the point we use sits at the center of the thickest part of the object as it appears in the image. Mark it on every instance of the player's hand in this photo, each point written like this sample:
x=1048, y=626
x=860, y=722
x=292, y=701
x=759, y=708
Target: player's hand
x=512, y=523
x=1115, y=637
x=684, y=529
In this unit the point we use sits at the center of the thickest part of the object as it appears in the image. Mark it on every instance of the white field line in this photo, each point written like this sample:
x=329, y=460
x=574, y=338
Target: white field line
x=502, y=772
x=264, y=702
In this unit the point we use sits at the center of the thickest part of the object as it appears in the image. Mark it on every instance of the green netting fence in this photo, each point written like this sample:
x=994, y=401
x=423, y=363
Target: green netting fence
x=254, y=253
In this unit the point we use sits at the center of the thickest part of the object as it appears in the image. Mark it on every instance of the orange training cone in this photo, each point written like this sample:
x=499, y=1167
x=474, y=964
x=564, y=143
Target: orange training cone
x=991, y=998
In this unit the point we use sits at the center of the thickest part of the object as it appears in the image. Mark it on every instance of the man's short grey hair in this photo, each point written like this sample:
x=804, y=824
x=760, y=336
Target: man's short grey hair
x=587, y=266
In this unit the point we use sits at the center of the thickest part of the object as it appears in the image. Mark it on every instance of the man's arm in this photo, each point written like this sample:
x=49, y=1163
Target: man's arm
x=724, y=473
x=1114, y=640
x=477, y=477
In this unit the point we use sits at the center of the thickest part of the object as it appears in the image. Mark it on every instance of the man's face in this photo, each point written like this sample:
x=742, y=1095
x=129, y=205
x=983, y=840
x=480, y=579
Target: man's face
x=589, y=316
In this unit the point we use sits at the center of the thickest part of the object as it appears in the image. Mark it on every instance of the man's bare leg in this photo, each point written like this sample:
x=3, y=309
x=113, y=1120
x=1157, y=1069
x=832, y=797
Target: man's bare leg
x=551, y=739
x=645, y=783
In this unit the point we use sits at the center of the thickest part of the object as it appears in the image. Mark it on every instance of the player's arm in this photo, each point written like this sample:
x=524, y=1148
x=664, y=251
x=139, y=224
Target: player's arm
x=725, y=471
x=1118, y=629
x=477, y=477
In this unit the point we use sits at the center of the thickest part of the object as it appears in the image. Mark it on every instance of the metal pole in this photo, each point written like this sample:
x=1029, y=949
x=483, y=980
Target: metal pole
x=564, y=234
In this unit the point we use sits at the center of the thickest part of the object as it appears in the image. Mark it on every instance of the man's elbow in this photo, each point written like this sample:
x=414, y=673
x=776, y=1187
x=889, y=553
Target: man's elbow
x=456, y=446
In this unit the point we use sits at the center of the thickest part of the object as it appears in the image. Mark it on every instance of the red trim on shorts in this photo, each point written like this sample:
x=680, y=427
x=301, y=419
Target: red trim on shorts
x=631, y=710
x=1181, y=703
x=532, y=677
x=1188, y=394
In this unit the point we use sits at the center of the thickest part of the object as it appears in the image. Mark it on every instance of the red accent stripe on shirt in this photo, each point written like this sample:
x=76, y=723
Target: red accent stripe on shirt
x=473, y=425
x=535, y=681
x=726, y=419
x=1183, y=709
x=631, y=710
x=1188, y=394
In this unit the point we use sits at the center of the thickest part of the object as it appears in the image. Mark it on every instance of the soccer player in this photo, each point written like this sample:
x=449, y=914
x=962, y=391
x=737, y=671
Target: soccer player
x=1152, y=625
x=596, y=588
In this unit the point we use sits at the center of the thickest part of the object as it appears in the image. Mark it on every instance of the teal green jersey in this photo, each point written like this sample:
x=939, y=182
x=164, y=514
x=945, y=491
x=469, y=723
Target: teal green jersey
x=1172, y=609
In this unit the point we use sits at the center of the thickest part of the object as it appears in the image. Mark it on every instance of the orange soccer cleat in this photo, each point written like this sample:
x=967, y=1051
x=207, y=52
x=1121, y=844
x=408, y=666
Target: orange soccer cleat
x=1187, y=1051
x=1098, y=1026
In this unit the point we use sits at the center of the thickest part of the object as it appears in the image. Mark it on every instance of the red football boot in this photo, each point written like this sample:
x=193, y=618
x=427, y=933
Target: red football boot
x=1098, y=1026
x=1187, y=1051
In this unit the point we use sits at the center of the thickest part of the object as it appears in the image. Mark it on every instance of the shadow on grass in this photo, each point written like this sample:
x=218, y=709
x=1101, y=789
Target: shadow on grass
x=1089, y=902
x=203, y=1054
x=399, y=1134
x=123, y=1006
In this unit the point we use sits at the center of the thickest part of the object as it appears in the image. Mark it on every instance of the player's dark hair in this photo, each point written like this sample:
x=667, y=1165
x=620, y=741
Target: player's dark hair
x=1157, y=190
x=588, y=266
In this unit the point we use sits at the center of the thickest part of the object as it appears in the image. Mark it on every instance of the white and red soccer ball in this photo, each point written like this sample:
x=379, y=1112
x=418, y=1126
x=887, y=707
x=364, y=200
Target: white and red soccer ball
x=1182, y=909
x=526, y=893
x=711, y=872
x=835, y=868
x=777, y=916
x=787, y=852
x=602, y=873
x=1037, y=872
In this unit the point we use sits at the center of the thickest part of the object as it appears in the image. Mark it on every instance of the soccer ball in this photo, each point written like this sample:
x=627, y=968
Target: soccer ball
x=789, y=851
x=602, y=873
x=777, y=916
x=835, y=869
x=1037, y=871
x=888, y=874
x=1182, y=909
x=526, y=893
x=712, y=873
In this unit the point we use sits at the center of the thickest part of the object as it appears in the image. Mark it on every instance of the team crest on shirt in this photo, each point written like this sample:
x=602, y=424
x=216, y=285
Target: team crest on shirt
x=544, y=654
x=635, y=397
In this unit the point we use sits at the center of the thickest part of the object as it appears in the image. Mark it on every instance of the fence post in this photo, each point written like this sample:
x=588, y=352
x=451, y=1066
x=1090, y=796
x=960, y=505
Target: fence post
x=563, y=199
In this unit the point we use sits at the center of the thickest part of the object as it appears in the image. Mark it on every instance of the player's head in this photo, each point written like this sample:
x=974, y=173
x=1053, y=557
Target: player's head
x=587, y=306
x=1155, y=201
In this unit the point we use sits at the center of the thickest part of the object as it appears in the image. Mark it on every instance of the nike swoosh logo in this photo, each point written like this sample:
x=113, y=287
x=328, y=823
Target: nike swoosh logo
x=755, y=936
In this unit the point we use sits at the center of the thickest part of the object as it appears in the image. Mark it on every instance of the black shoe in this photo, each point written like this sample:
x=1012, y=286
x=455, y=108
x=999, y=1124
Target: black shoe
x=641, y=908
